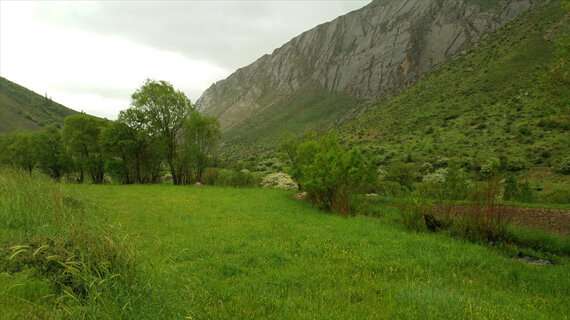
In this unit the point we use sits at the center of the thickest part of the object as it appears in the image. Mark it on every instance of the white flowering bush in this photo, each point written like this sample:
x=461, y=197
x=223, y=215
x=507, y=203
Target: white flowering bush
x=279, y=180
x=438, y=177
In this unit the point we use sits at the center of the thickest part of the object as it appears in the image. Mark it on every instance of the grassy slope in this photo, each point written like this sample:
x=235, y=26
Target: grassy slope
x=213, y=253
x=498, y=99
x=307, y=109
x=22, y=109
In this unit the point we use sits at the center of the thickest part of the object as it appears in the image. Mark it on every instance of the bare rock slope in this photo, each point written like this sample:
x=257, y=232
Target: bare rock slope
x=364, y=54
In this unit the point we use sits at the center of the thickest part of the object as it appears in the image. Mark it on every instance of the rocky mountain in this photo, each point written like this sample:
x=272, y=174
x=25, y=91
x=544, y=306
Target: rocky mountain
x=322, y=74
x=506, y=101
x=23, y=109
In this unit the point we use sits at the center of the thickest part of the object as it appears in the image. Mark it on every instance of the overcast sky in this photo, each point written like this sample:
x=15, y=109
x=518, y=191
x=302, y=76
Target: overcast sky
x=90, y=56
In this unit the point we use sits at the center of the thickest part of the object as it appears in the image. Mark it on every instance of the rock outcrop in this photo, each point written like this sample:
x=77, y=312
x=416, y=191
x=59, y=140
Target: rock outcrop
x=365, y=54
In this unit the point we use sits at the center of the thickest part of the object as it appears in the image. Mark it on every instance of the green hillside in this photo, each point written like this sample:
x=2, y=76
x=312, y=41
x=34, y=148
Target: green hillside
x=312, y=109
x=507, y=98
x=23, y=109
x=510, y=97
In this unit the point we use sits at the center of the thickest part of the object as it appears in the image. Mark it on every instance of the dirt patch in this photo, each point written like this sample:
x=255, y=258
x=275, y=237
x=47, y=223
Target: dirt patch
x=555, y=220
x=552, y=220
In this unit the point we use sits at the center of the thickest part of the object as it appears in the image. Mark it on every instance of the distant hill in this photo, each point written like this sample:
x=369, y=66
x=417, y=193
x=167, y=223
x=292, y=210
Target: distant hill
x=322, y=75
x=23, y=109
x=509, y=97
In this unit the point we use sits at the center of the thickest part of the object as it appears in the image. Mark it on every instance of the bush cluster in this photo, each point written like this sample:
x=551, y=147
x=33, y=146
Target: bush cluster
x=330, y=173
x=161, y=132
x=230, y=177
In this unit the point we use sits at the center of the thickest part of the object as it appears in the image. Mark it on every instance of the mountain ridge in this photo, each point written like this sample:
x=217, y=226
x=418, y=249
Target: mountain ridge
x=24, y=109
x=363, y=55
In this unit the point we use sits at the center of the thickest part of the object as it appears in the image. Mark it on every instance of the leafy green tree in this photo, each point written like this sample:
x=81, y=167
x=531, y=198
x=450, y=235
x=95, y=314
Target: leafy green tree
x=298, y=157
x=52, y=158
x=165, y=110
x=120, y=147
x=81, y=134
x=6, y=141
x=133, y=154
x=22, y=151
x=201, y=137
x=402, y=173
x=331, y=174
x=511, y=188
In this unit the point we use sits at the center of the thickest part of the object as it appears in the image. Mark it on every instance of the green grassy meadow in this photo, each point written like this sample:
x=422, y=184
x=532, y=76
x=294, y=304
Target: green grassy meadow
x=222, y=253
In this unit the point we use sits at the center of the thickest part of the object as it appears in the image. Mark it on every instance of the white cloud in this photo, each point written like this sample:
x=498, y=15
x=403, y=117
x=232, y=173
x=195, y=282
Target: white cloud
x=88, y=71
x=91, y=56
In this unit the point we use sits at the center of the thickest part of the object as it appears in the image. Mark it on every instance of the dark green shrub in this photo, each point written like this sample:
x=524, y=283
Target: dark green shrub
x=451, y=183
x=559, y=122
x=390, y=189
x=210, y=176
x=403, y=173
x=516, y=164
x=564, y=166
x=511, y=188
x=413, y=216
x=558, y=195
x=234, y=178
x=518, y=191
x=330, y=173
x=526, y=193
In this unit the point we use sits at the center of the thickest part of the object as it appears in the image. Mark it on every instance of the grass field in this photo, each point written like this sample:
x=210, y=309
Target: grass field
x=215, y=253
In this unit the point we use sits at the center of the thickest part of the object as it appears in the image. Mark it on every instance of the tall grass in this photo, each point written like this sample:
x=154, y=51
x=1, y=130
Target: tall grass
x=29, y=203
x=90, y=268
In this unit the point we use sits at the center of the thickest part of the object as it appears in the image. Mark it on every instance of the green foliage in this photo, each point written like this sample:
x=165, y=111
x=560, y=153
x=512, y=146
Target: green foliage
x=201, y=138
x=81, y=134
x=133, y=156
x=53, y=160
x=518, y=191
x=560, y=195
x=330, y=173
x=164, y=111
x=22, y=151
x=564, y=166
x=234, y=178
x=413, y=216
x=451, y=183
x=404, y=174
x=390, y=189
x=511, y=188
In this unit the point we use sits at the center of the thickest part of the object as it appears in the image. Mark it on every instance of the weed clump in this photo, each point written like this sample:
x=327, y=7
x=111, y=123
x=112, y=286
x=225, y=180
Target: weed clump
x=49, y=234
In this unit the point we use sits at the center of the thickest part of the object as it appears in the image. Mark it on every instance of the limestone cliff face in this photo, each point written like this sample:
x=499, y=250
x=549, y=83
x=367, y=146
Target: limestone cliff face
x=367, y=53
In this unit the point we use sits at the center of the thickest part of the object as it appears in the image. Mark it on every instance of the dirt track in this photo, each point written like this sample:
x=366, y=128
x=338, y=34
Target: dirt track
x=552, y=220
x=555, y=220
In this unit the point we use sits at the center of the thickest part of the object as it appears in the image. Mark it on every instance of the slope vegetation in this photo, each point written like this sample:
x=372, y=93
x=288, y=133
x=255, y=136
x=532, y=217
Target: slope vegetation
x=23, y=109
x=510, y=96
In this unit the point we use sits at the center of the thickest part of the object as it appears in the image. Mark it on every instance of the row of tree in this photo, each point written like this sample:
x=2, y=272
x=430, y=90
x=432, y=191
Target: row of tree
x=161, y=131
